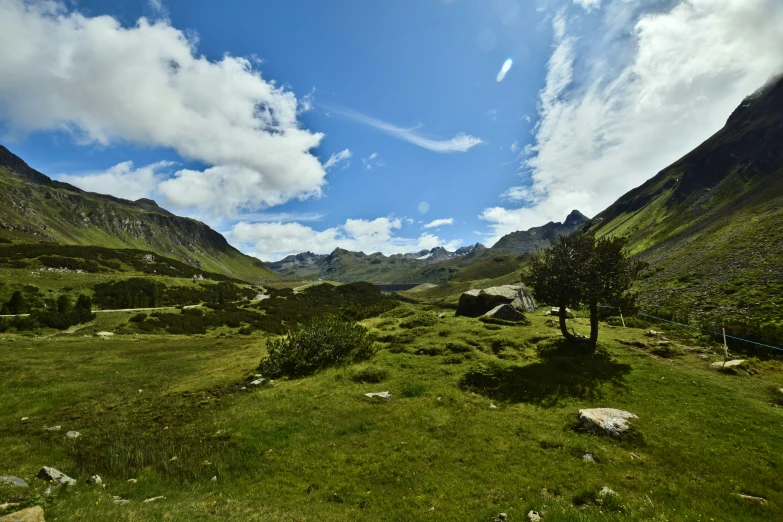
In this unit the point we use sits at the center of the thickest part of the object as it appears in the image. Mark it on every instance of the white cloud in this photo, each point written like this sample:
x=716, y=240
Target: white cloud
x=307, y=102
x=274, y=241
x=514, y=147
x=588, y=5
x=121, y=180
x=148, y=84
x=337, y=158
x=372, y=161
x=281, y=217
x=439, y=223
x=424, y=207
x=641, y=100
x=459, y=143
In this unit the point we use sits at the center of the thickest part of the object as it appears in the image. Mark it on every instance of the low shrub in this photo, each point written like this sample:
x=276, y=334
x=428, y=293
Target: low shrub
x=458, y=348
x=321, y=342
x=666, y=350
x=419, y=320
x=138, y=318
x=368, y=374
x=413, y=389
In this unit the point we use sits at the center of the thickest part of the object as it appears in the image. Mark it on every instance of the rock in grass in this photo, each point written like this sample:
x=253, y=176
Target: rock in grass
x=153, y=499
x=555, y=310
x=588, y=457
x=95, y=479
x=606, y=492
x=52, y=428
x=506, y=312
x=33, y=514
x=728, y=364
x=534, y=516
x=118, y=500
x=57, y=476
x=258, y=382
x=474, y=303
x=73, y=435
x=380, y=395
x=608, y=421
x=751, y=498
x=502, y=517
x=14, y=481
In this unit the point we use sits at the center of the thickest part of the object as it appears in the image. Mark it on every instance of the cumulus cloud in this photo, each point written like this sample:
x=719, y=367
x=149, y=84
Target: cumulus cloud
x=274, y=241
x=335, y=159
x=439, y=223
x=147, y=84
x=640, y=100
x=122, y=180
x=459, y=143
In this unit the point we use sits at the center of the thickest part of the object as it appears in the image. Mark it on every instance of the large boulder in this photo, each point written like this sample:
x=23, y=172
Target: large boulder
x=14, y=481
x=55, y=475
x=474, y=303
x=608, y=421
x=506, y=312
x=33, y=514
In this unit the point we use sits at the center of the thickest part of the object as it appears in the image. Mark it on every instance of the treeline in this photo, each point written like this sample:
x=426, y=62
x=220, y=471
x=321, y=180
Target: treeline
x=284, y=310
x=98, y=259
x=138, y=292
x=60, y=314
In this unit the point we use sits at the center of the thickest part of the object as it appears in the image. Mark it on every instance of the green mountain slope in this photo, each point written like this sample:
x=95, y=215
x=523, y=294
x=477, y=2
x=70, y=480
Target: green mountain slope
x=35, y=208
x=711, y=224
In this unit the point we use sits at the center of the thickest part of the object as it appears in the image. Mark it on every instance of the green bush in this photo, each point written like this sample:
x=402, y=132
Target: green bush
x=419, y=320
x=138, y=318
x=321, y=342
x=368, y=374
x=413, y=389
x=666, y=350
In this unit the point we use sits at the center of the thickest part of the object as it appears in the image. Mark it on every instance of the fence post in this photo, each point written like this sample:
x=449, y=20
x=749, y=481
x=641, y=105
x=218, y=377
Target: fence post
x=621, y=317
x=725, y=348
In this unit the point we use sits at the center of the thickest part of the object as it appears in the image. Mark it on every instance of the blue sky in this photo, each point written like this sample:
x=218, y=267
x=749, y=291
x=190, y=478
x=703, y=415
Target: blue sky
x=293, y=126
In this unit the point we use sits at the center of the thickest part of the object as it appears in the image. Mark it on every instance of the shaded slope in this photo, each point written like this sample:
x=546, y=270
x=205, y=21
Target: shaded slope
x=711, y=224
x=34, y=207
x=526, y=241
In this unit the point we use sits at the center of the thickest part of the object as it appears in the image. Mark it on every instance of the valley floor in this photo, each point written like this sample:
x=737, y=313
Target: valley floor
x=173, y=412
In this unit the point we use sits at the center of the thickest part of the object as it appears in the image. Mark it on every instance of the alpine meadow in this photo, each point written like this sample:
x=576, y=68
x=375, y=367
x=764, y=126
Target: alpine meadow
x=437, y=260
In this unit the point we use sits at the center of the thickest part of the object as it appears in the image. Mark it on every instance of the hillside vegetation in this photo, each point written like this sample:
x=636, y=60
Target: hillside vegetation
x=35, y=208
x=711, y=226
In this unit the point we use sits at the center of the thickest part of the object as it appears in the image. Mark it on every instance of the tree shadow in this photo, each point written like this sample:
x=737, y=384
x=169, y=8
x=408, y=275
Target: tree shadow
x=565, y=371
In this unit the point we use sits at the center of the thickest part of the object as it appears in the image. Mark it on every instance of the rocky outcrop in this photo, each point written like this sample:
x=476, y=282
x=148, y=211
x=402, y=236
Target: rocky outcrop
x=55, y=475
x=475, y=303
x=605, y=421
x=506, y=312
x=33, y=514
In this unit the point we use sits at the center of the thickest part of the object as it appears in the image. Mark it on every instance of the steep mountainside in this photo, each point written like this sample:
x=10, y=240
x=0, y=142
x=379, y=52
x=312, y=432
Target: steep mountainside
x=711, y=224
x=346, y=266
x=34, y=208
x=526, y=241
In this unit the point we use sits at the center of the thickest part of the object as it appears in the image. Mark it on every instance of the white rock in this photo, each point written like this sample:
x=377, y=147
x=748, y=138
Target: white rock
x=132, y=481
x=95, y=479
x=533, y=516
x=258, y=382
x=53, y=428
x=727, y=364
x=609, y=421
x=14, y=481
x=47, y=473
x=72, y=435
x=118, y=500
x=104, y=335
x=153, y=499
x=605, y=492
x=24, y=419
x=382, y=395
x=214, y=479
x=588, y=457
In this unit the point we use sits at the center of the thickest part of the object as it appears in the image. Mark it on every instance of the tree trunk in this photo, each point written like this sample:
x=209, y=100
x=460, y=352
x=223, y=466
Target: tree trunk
x=563, y=327
x=593, y=324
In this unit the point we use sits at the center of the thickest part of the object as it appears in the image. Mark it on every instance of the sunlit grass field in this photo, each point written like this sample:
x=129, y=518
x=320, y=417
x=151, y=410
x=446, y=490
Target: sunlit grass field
x=173, y=412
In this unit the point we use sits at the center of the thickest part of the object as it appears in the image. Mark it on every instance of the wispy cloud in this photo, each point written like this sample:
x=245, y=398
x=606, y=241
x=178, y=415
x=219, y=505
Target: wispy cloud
x=459, y=143
x=280, y=217
x=336, y=159
x=439, y=223
x=372, y=161
x=643, y=87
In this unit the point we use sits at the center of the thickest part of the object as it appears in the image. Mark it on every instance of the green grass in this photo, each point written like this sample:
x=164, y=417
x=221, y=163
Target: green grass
x=316, y=449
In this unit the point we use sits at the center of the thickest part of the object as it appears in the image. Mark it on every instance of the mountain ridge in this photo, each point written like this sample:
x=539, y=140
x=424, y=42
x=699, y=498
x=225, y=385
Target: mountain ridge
x=36, y=207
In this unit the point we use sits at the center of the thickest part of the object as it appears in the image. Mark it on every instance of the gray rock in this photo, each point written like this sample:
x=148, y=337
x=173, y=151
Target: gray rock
x=555, y=310
x=727, y=364
x=50, y=490
x=73, y=435
x=53, y=428
x=502, y=517
x=95, y=479
x=14, y=481
x=441, y=315
x=380, y=395
x=608, y=421
x=118, y=500
x=474, y=303
x=153, y=499
x=534, y=516
x=506, y=312
x=606, y=492
x=588, y=457
x=258, y=382
x=214, y=479
x=33, y=514
x=56, y=476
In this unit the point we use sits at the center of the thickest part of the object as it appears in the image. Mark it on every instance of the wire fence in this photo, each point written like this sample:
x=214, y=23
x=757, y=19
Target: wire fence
x=727, y=336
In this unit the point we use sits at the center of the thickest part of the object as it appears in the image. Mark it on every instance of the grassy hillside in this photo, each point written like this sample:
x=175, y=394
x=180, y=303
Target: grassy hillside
x=482, y=421
x=711, y=225
x=35, y=208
